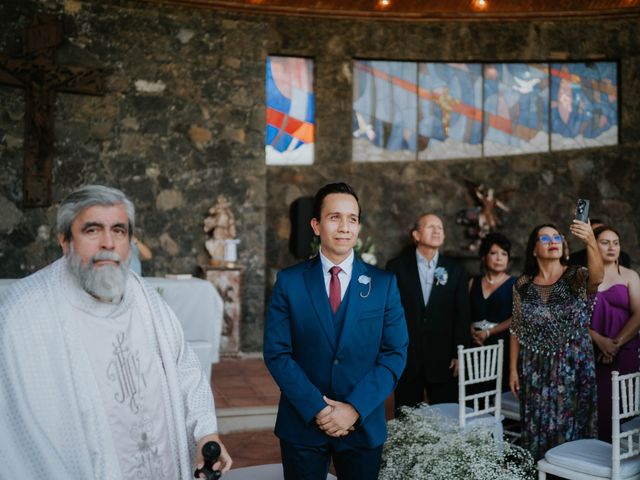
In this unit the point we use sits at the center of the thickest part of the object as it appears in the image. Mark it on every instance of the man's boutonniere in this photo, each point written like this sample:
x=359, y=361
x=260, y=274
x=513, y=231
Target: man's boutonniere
x=365, y=280
x=441, y=275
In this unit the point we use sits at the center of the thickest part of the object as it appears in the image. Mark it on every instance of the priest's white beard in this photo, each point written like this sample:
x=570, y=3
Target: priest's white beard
x=107, y=282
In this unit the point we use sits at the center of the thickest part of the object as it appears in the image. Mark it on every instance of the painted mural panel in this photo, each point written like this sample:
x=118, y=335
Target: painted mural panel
x=384, y=111
x=290, y=111
x=516, y=101
x=584, y=105
x=449, y=110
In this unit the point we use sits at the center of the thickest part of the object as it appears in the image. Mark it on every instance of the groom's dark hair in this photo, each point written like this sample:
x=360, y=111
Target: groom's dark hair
x=328, y=189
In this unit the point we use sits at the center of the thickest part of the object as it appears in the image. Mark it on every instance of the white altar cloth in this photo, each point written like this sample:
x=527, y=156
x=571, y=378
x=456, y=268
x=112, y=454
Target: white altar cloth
x=199, y=308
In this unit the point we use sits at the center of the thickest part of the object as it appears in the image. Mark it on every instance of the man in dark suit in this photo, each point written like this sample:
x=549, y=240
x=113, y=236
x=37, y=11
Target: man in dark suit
x=335, y=341
x=434, y=294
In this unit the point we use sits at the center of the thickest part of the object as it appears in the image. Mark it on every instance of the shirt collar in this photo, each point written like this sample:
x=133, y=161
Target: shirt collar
x=429, y=264
x=346, y=265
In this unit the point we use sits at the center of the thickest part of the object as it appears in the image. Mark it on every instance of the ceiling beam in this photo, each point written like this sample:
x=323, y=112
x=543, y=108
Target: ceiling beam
x=422, y=10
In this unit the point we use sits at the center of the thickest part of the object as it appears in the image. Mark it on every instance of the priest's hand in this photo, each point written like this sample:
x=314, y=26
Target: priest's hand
x=338, y=418
x=224, y=460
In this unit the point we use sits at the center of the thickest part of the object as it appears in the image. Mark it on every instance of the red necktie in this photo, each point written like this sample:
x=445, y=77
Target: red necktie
x=334, y=289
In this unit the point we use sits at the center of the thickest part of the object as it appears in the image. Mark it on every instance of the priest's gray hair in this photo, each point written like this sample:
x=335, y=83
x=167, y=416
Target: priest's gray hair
x=89, y=196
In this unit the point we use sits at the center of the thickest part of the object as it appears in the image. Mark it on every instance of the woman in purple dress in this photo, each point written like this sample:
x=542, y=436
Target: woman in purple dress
x=552, y=365
x=614, y=324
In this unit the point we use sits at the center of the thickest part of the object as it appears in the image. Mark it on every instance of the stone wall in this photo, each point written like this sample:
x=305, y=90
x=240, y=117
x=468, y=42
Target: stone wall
x=393, y=194
x=177, y=126
x=183, y=121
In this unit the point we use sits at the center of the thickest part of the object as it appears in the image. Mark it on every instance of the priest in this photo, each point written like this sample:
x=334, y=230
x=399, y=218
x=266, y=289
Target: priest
x=96, y=378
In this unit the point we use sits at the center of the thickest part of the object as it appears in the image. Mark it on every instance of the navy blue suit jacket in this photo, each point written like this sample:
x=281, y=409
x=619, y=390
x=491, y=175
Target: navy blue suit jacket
x=307, y=360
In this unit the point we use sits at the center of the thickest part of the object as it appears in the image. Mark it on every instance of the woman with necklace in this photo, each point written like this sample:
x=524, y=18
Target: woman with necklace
x=491, y=297
x=552, y=362
x=614, y=324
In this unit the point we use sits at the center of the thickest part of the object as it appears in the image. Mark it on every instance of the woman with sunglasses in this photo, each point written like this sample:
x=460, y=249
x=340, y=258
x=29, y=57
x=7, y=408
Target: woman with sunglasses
x=614, y=324
x=552, y=362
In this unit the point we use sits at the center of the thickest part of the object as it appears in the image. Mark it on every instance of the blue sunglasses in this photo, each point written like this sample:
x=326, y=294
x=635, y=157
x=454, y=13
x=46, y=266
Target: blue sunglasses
x=546, y=239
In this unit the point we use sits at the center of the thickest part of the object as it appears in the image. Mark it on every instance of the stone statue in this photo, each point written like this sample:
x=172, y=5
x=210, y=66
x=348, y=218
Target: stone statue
x=221, y=227
x=486, y=215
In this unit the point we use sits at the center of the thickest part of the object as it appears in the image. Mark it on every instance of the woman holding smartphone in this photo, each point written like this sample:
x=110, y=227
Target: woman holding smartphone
x=552, y=362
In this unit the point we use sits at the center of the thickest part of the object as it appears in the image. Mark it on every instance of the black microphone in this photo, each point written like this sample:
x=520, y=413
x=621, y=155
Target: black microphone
x=210, y=452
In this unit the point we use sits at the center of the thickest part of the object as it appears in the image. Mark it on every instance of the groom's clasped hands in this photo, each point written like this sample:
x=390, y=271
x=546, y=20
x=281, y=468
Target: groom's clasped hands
x=337, y=419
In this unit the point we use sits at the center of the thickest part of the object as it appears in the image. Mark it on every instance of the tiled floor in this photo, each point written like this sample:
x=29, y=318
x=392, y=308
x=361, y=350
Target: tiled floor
x=243, y=383
x=252, y=448
x=246, y=383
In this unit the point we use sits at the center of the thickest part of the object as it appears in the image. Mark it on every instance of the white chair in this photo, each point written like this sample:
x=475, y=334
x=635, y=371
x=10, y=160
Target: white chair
x=630, y=425
x=477, y=365
x=594, y=459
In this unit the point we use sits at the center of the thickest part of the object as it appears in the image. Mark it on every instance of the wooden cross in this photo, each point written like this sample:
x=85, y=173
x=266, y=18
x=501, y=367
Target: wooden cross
x=37, y=72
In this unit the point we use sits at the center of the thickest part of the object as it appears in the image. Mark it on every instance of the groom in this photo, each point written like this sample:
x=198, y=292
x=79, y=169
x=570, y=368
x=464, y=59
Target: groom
x=335, y=341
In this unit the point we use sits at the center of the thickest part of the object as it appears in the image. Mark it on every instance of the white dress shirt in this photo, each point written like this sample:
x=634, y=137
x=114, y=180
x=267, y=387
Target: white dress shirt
x=344, y=275
x=426, y=270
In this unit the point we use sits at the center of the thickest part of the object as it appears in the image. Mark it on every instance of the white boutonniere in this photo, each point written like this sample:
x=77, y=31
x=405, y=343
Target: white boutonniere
x=441, y=275
x=365, y=280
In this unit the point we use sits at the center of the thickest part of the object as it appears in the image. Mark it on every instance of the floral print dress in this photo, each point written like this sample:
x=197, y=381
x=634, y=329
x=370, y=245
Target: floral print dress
x=556, y=363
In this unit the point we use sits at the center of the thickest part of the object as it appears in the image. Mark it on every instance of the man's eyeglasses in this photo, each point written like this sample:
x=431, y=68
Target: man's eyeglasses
x=546, y=239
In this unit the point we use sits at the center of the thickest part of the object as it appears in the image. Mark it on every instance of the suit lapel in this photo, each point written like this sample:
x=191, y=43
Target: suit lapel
x=355, y=300
x=412, y=271
x=314, y=280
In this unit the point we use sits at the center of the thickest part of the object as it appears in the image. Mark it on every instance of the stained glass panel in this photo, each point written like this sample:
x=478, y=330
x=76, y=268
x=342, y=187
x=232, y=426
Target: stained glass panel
x=516, y=99
x=290, y=111
x=584, y=105
x=384, y=111
x=449, y=110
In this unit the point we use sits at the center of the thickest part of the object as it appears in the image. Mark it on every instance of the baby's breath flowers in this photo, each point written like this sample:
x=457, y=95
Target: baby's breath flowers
x=427, y=446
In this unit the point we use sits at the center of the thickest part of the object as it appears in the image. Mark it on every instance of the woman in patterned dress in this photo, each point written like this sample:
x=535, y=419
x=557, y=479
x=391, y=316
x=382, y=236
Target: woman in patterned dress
x=552, y=362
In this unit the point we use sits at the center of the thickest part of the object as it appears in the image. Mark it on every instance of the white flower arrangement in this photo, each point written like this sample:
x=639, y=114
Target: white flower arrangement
x=366, y=250
x=427, y=446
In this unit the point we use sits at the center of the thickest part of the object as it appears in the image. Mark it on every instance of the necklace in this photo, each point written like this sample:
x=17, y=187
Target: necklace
x=495, y=280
